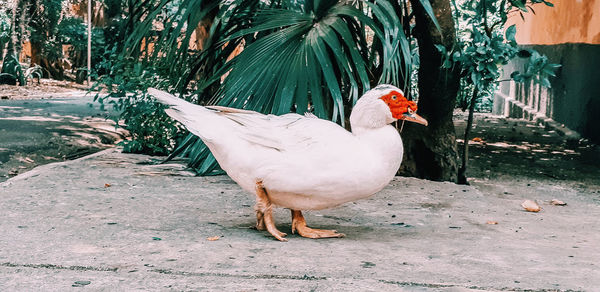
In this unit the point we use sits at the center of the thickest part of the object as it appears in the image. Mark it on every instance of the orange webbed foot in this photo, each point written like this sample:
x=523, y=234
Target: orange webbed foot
x=299, y=224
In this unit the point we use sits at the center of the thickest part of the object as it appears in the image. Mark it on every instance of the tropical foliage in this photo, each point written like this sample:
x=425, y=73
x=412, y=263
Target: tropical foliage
x=282, y=56
x=317, y=56
x=485, y=46
x=279, y=56
x=4, y=29
x=48, y=25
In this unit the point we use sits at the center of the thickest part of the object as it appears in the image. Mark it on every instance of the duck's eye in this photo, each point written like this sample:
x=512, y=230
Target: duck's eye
x=410, y=111
x=394, y=97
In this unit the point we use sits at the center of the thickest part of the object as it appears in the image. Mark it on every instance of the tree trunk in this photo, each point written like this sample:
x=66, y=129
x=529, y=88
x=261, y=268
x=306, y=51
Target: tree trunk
x=11, y=63
x=22, y=20
x=202, y=32
x=36, y=53
x=462, y=171
x=13, y=47
x=54, y=69
x=431, y=152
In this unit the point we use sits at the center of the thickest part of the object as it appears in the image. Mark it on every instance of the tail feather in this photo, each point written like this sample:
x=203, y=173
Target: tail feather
x=166, y=98
x=194, y=117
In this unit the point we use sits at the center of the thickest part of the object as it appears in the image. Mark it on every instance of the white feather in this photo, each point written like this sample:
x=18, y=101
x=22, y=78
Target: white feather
x=303, y=162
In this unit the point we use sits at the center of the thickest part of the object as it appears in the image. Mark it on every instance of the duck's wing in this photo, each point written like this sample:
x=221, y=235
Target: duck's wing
x=290, y=154
x=283, y=133
x=218, y=124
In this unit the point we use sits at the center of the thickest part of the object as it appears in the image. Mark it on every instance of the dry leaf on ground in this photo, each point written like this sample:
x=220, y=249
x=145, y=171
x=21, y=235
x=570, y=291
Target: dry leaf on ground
x=107, y=185
x=531, y=206
x=492, y=222
x=213, y=238
x=558, y=202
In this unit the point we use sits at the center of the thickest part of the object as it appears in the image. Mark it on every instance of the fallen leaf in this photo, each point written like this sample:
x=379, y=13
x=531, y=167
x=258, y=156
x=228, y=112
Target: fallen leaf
x=531, y=206
x=558, y=202
x=492, y=222
x=107, y=185
x=213, y=238
x=477, y=139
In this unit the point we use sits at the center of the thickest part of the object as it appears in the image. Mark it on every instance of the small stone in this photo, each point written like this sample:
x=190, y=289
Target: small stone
x=81, y=283
x=367, y=264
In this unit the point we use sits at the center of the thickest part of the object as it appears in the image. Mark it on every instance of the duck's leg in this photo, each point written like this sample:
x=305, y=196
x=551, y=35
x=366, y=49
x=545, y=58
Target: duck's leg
x=260, y=218
x=264, y=213
x=299, y=224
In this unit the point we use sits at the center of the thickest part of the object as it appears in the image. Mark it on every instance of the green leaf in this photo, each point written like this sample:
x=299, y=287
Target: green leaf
x=554, y=66
x=440, y=48
x=319, y=50
x=447, y=63
x=521, y=4
x=510, y=34
x=545, y=82
x=429, y=10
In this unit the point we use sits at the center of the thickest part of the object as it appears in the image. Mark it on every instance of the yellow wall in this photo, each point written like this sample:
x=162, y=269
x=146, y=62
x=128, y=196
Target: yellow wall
x=569, y=21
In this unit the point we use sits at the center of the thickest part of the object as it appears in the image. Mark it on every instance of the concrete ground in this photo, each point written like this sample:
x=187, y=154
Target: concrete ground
x=37, y=131
x=118, y=222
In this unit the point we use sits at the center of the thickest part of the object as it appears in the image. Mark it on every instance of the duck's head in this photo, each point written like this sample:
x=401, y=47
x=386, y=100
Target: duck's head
x=383, y=105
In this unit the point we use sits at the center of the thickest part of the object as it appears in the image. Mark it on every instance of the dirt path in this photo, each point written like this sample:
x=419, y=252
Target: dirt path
x=46, y=88
x=513, y=149
x=47, y=123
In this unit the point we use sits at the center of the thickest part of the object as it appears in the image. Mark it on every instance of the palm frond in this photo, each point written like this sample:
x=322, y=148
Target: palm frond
x=297, y=56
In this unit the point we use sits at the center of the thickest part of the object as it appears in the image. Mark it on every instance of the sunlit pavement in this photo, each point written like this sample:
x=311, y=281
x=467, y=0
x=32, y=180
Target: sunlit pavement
x=39, y=131
x=118, y=222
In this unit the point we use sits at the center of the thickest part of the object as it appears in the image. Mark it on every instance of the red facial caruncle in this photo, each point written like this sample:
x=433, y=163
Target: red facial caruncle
x=398, y=104
x=402, y=108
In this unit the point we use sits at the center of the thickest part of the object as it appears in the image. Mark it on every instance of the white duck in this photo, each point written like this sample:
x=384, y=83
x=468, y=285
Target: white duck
x=302, y=162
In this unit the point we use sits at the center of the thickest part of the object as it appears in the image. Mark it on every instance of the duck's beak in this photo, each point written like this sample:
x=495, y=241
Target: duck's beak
x=413, y=117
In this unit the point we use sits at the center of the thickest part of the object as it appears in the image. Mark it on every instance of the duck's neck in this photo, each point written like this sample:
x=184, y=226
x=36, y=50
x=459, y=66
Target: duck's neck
x=385, y=135
x=370, y=121
x=359, y=130
x=385, y=142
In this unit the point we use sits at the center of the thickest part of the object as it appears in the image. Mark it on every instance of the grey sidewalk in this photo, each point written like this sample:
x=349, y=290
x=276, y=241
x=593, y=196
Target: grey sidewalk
x=113, y=222
x=40, y=131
